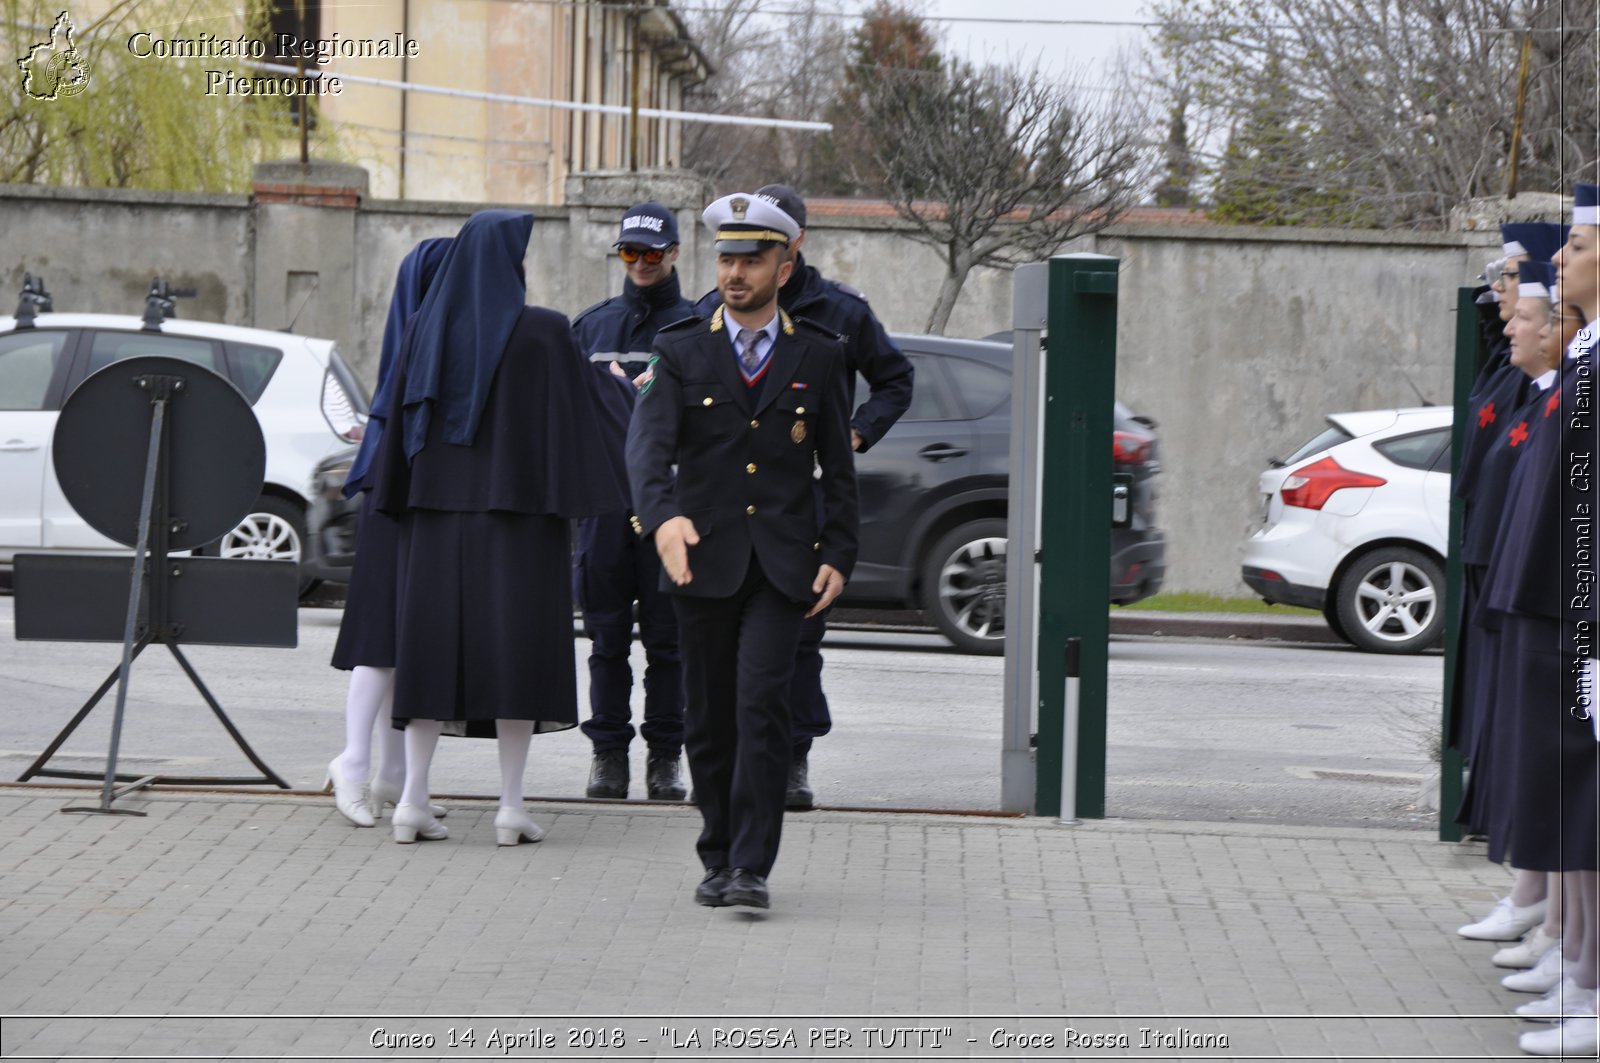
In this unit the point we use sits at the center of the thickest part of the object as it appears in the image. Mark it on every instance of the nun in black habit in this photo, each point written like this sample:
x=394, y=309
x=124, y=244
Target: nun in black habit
x=482, y=470
x=365, y=647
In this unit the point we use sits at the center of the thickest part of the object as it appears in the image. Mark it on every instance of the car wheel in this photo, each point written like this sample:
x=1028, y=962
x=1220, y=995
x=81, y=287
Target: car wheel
x=1330, y=613
x=1391, y=601
x=964, y=585
x=273, y=530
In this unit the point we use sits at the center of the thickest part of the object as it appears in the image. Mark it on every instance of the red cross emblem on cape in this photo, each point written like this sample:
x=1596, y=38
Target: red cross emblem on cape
x=1486, y=416
x=1518, y=434
x=1552, y=402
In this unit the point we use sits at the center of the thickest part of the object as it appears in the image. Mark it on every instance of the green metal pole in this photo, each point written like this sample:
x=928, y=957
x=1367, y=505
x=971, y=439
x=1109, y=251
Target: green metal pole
x=1075, y=524
x=1470, y=355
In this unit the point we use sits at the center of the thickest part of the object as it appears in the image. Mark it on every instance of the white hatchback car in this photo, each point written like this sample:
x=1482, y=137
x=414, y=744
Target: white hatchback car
x=1355, y=523
x=307, y=401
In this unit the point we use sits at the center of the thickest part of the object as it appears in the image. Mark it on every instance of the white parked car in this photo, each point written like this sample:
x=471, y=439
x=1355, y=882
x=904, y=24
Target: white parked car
x=306, y=399
x=1355, y=523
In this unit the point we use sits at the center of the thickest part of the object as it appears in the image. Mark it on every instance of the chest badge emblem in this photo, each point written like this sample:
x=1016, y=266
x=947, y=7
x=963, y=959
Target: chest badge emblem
x=798, y=432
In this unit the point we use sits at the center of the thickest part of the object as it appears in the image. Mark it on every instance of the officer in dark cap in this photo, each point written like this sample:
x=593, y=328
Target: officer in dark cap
x=870, y=352
x=752, y=407
x=614, y=569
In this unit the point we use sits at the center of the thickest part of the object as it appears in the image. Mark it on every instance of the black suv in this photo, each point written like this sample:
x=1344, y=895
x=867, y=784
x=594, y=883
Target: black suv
x=933, y=498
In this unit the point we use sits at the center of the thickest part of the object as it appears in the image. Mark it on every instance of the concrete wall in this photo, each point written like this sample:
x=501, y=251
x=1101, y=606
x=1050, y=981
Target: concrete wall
x=1237, y=341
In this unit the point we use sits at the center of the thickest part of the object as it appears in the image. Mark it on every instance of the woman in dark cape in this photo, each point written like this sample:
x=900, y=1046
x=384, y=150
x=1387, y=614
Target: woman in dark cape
x=366, y=634
x=482, y=469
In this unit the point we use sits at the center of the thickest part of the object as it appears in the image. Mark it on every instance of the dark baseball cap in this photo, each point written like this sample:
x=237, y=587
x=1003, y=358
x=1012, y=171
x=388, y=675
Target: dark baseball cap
x=785, y=199
x=648, y=224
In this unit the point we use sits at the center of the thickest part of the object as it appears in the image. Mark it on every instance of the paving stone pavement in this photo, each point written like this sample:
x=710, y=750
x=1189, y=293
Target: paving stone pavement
x=263, y=926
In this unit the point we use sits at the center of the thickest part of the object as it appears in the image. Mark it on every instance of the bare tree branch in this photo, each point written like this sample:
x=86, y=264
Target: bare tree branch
x=996, y=166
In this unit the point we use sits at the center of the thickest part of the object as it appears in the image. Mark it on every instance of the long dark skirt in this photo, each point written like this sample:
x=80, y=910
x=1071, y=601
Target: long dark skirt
x=1489, y=737
x=484, y=621
x=1555, y=761
x=366, y=634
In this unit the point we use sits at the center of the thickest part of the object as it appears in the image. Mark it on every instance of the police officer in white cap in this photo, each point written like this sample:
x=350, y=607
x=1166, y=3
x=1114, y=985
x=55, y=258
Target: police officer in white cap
x=746, y=403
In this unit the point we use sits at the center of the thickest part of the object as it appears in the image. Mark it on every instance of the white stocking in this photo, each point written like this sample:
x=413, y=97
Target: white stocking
x=513, y=739
x=369, y=699
x=422, y=737
x=391, y=742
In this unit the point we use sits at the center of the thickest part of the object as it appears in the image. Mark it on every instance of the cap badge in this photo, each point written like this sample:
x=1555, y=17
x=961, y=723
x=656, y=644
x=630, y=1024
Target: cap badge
x=739, y=205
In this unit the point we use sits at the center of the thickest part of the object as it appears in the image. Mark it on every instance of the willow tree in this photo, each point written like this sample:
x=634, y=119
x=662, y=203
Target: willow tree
x=85, y=110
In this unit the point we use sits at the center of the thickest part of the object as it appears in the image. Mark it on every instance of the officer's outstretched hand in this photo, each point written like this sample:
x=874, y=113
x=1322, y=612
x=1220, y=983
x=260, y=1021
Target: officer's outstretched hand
x=673, y=539
x=827, y=586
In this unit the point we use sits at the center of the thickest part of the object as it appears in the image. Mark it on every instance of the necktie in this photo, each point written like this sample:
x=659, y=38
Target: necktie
x=749, y=341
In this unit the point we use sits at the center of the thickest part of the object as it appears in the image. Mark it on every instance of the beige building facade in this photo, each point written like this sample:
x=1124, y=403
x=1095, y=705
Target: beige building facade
x=418, y=145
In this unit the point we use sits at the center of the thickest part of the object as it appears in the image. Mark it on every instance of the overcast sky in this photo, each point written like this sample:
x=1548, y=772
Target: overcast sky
x=1055, y=33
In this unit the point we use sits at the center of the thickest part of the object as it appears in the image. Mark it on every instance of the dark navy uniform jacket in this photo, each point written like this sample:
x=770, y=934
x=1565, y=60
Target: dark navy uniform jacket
x=868, y=350
x=626, y=325
x=1510, y=432
x=745, y=457
x=1544, y=564
x=1489, y=411
x=1499, y=387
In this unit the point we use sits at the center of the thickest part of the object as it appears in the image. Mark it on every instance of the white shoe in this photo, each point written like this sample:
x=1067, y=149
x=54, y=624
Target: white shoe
x=1526, y=952
x=1567, y=1000
x=512, y=825
x=382, y=795
x=1506, y=923
x=1574, y=1037
x=353, y=801
x=1541, y=977
x=411, y=822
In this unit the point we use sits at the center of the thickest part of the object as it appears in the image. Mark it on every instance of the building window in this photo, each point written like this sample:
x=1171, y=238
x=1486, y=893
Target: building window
x=285, y=32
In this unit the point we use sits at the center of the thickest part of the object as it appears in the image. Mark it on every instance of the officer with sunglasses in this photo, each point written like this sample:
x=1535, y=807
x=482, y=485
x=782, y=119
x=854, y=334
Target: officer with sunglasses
x=614, y=569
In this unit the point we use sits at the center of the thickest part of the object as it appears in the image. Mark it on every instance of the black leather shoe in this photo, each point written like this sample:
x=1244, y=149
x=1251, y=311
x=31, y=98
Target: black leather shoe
x=608, y=774
x=662, y=778
x=746, y=888
x=798, y=797
x=712, y=891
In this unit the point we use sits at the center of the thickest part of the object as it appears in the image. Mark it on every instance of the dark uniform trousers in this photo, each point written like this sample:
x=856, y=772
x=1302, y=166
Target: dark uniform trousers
x=744, y=461
x=738, y=731
x=615, y=570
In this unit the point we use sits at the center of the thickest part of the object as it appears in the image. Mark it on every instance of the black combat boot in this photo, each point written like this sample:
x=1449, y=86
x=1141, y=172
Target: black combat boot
x=608, y=775
x=799, y=797
x=662, y=778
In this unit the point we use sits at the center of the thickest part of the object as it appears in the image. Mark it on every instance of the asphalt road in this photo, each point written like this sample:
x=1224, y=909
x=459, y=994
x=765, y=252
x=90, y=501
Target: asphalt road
x=1199, y=729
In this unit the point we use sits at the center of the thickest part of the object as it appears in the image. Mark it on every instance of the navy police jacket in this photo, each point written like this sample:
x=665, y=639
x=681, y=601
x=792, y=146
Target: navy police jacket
x=624, y=326
x=746, y=457
x=868, y=350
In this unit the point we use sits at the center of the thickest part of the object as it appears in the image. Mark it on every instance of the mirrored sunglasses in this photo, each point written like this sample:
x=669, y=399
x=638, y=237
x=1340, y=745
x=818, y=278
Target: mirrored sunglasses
x=652, y=256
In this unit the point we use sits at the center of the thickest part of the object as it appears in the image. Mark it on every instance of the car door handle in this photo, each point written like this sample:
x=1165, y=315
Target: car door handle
x=941, y=452
x=17, y=446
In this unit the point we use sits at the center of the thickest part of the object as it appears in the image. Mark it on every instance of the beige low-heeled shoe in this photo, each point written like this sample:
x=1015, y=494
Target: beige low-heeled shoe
x=411, y=822
x=512, y=825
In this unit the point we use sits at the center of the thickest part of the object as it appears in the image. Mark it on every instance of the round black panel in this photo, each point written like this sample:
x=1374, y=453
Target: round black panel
x=215, y=456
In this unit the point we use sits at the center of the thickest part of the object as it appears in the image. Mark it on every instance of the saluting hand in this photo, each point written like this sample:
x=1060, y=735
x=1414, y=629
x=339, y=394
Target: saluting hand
x=827, y=586
x=673, y=539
